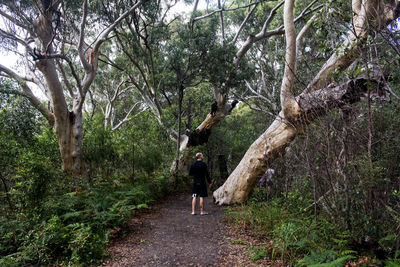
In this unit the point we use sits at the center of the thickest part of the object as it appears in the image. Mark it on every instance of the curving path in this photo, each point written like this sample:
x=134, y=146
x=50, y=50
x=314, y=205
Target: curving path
x=168, y=235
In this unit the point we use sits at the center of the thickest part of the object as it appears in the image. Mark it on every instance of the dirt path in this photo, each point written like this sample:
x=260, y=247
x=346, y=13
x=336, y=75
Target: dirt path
x=168, y=235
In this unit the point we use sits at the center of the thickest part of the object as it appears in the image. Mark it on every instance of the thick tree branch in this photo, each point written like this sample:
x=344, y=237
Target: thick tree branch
x=343, y=58
x=243, y=24
x=127, y=116
x=195, y=6
x=28, y=93
x=300, y=35
x=272, y=143
x=103, y=37
x=71, y=66
x=222, y=9
x=18, y=77
x=65, y=79
x=221, y=14
x=289, y=106
x=91, y=67
x=81, y=43
x=263, y=34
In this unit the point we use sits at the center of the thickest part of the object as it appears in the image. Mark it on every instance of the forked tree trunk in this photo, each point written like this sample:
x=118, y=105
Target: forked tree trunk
x=201, y=134
x=271, y=144
x=67, y=125
x=312, y=103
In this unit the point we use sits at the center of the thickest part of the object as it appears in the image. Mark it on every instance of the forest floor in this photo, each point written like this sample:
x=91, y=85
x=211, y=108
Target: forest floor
x=168, y=235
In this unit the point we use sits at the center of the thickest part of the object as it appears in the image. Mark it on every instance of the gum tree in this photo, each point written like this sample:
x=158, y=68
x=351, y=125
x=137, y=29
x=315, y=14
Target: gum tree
x=320, y=96
x=58, y=44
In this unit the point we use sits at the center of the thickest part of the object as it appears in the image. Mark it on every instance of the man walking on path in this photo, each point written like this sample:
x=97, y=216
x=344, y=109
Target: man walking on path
x=199, y=172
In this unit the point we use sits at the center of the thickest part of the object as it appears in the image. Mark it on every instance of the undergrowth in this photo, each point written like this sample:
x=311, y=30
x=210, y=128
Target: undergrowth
x=299, y=238
x=70, y=223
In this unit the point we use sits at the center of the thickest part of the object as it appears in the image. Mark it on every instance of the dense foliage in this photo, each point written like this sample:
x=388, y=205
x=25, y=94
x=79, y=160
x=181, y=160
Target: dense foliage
x=47, y=217
x=323, y=210
x=335, y=195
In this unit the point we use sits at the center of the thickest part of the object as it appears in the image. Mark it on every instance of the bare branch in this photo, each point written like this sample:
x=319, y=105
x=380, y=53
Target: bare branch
x=13, y=37
x=116, y=93
x=195, y=6
x=263, y=34
x=15, y=75
x=221, y=14
x=300, y=35
x=256, y=108
x=28, y=92
x=154, y=108
x=108, y=61
x=127, y=116
x=71, y=66
x=256, y=93
x=345, y=55
x=81, y=43
x=222, y=9
x=243, y=24
x=251, y=39
x=260, y=96
x=91, y=67
x=65, y=79
x=271, y=16
x=102, y=38
x=14, y=20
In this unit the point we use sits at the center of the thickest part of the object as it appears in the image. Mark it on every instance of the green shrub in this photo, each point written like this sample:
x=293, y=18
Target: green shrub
x=73, y=222
x=298, y=237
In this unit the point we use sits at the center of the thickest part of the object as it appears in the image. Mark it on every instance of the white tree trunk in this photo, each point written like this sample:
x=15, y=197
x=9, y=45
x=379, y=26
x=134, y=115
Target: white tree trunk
x=69, y=137
x=67, y=124
x=270, y=145
x=312, y=103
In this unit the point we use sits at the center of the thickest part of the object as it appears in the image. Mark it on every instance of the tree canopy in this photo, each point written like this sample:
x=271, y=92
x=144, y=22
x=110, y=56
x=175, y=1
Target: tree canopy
x=131, y=90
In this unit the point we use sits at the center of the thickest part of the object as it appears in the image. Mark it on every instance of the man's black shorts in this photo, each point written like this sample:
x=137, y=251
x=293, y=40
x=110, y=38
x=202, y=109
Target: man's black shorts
x=199, y=190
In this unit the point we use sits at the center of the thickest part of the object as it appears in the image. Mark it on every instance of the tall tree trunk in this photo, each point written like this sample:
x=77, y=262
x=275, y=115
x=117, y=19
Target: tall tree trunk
x=49, y=41
x=258, y=157
x=69, y=137
x=178, y=143
x=297, y=113
x=201, y=134
x=67, y=125
x=271, y=144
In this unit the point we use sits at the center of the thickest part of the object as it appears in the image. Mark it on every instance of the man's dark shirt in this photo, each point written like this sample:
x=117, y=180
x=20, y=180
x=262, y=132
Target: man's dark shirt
x=199, y=171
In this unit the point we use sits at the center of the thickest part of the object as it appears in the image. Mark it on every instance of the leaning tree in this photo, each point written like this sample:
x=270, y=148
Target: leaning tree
x=58, y=44
x=320, y=96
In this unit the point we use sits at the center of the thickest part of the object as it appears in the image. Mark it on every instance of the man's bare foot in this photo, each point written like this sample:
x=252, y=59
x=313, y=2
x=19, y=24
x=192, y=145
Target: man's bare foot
x=204, y=213
x=193, y=213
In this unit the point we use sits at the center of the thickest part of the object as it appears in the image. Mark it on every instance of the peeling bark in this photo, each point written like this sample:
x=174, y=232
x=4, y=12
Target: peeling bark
x=267, y=147
x=272, y=143
x=66, y=122
x=313, y=102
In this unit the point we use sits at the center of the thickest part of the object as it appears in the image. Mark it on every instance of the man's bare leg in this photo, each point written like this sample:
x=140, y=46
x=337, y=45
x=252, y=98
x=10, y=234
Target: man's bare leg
x=202, y=212
x=194, y=205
